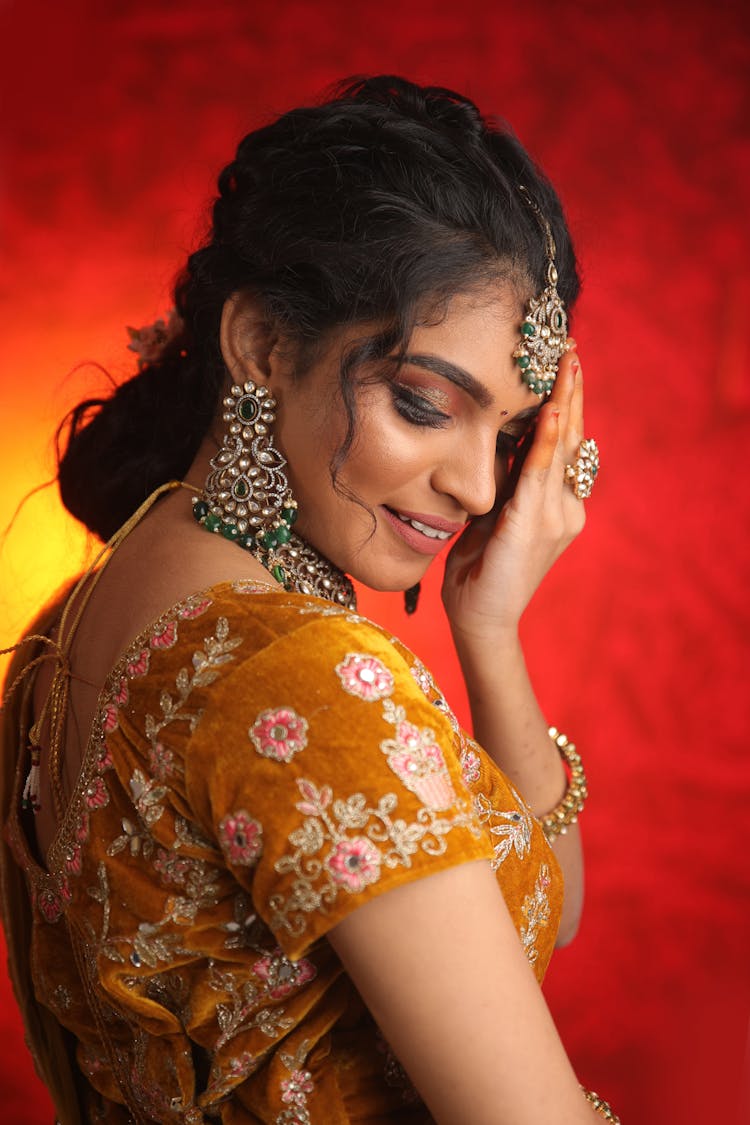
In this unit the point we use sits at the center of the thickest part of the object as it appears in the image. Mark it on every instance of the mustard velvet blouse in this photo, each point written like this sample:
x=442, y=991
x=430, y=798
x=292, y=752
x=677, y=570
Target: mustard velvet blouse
x=262, y=764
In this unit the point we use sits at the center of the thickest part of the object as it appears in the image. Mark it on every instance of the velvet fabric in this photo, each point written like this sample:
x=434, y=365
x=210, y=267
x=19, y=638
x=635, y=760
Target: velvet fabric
x=262, y=763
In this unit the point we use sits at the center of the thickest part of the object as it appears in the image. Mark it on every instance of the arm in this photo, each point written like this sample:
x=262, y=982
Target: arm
x=491, y=576
x=440, y=966
x=509, y=725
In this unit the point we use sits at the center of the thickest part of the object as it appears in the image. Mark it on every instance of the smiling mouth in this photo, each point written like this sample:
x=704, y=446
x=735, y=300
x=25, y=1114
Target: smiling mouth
x=430, y=532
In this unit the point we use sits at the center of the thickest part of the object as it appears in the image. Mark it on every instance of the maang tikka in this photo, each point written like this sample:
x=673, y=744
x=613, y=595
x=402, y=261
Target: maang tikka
x=544, y=332
x=247, y=499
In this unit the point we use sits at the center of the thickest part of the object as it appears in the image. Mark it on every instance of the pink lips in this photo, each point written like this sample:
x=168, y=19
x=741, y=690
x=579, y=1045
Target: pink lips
x=415, y=539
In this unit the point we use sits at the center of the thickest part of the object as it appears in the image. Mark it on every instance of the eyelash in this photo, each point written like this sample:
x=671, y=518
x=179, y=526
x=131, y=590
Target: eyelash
x=419, y=412
x=416, y=409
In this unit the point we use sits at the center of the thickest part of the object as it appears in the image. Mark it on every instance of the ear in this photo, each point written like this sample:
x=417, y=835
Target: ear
x=247, y=339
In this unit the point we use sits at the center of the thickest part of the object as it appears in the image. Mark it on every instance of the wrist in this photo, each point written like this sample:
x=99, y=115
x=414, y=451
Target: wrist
x=485, y=647
x=489, y=666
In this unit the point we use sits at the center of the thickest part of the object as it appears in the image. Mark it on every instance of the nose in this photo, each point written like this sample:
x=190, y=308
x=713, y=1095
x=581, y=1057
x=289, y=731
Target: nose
x=471, y=474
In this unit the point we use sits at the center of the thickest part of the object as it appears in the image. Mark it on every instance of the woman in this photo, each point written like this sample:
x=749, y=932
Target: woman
x=268, y=876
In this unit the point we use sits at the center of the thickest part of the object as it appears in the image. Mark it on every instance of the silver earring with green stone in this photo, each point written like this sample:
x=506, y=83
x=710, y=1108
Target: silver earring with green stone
x=247, y=498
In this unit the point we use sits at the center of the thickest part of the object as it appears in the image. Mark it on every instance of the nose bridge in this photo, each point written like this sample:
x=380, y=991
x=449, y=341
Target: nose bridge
x=468, y=473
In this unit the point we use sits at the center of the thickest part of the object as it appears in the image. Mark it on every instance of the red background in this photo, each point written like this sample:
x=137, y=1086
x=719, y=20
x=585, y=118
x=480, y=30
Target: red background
x=117, y=118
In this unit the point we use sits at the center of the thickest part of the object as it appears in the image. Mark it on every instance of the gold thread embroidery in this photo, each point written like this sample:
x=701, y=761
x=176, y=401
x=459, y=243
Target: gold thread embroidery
x=351, y=862
x=536, y=911
x=511, y=828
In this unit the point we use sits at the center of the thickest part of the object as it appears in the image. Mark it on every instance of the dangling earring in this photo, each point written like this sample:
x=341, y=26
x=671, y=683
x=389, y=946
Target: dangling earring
x=247, y=499
x=247, y=495
x=411, y=598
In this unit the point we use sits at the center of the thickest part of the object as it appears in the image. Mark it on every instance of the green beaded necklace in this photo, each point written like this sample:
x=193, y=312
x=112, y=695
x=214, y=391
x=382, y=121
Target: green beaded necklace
x=294, y=564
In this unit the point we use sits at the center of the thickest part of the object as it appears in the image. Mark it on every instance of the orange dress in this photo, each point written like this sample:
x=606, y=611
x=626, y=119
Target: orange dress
x=262, y=764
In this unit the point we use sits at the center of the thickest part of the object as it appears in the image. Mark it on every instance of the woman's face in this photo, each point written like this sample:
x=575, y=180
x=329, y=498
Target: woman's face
x=430, y=447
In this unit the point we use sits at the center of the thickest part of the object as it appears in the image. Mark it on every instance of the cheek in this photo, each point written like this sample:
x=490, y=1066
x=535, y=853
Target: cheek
x=308, y=436
x=384, y=456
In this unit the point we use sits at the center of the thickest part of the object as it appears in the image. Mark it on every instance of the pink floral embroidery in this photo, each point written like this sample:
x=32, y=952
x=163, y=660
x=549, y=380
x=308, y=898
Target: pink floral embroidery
x=241, y=837
x=95, y=795
x=161, y=761
x=418, y=761
x=50, y=905
x=82, y=828
x=109, y=718
x=354, y=863
x=73, y=859
x=296, y=1087
x=316, y=801
x=164, y=636
x=281, y=975
x=172, y=868
x=279, y=734
x=365, y=676
x=469, y=765
x=138, y=665
x=194, y=609
x=104, y=759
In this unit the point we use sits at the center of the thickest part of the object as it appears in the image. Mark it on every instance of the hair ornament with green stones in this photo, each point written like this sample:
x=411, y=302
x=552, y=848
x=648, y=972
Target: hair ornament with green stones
x=544, y=331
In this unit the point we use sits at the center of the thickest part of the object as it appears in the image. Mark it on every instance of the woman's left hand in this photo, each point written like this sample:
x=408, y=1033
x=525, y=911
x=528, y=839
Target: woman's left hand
x=495, y=567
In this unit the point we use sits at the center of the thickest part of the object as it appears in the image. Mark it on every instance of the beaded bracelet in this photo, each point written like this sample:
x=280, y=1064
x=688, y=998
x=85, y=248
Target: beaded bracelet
x=601, y=1106
x=566, y=811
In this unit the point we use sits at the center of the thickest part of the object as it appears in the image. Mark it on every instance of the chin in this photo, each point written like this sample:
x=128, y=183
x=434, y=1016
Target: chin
x=389, y=578
x=369, y=561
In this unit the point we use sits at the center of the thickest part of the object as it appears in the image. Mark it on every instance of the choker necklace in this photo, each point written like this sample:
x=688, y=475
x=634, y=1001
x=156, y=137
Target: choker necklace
x=294, y=564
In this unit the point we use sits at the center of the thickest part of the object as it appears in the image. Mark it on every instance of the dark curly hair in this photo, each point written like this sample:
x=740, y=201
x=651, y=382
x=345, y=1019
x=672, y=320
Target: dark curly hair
x=385, y=199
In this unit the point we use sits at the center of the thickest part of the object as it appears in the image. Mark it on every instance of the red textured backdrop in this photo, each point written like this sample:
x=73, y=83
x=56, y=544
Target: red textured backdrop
x=117, y=117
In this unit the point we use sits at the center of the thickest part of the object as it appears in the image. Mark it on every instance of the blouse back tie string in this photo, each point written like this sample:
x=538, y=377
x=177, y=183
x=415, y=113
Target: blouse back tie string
x=54, y=711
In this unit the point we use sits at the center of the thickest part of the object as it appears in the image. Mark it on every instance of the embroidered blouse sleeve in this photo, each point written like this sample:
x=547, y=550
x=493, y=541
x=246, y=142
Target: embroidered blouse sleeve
x=327, y=777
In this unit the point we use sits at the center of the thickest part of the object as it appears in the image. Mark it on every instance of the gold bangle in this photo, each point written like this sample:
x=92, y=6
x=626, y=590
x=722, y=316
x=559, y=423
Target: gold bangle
x=566, y=811
x=601, y=1106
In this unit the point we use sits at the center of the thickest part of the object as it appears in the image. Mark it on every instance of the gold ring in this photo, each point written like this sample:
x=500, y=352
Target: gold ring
x=582, y=474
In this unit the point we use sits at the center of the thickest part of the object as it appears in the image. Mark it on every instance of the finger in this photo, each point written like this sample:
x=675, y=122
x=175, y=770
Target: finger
x=469, y=547
x=543, y=448
x=575, y=431
x=564, y=389
x=568, y=390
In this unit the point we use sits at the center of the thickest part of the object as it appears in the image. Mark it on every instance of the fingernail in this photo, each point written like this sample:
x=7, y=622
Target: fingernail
x=576, y=366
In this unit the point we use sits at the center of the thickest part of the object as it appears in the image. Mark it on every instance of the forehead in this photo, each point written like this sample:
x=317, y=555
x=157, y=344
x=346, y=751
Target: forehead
x=478, y=332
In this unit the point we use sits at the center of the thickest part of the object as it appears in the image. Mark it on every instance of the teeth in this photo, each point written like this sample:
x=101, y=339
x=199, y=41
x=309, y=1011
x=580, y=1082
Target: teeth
x=430, y=532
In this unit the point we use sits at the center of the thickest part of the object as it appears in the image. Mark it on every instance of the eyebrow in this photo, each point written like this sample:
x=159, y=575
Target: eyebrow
x=456, y=375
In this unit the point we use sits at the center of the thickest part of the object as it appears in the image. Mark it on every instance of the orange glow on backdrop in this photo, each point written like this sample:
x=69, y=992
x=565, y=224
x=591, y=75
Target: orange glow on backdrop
x=121, y=117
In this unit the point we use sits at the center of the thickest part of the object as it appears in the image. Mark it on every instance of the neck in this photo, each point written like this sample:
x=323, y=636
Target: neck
x=293, y=563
